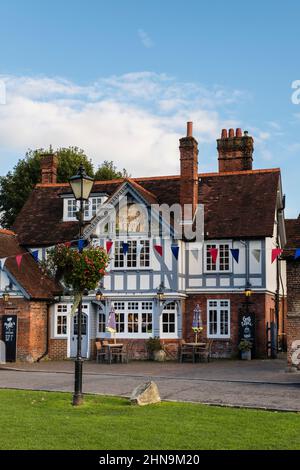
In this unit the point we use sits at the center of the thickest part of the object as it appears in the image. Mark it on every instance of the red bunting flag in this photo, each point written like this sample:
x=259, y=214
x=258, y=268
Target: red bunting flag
x=159, y=249
x=276, y=252
x=109, y=245
x=214, y=254
x=19, y=260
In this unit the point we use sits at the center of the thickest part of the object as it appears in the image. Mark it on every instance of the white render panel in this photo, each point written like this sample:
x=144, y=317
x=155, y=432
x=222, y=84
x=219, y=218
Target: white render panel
x=240, y=282
x=145, y=281
x=131, y=281
x=270, y=267
x=224, y=281
x=156, y=281
x=240, y=267
x=254, y=266
x=107, y=282
x=196, y=282
x=255, y=282
x=211, y=282
x=119, y=282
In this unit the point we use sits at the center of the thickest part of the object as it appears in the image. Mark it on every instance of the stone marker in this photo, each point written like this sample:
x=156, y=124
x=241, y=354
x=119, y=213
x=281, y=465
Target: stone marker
x=145, y=394
x=2, y=352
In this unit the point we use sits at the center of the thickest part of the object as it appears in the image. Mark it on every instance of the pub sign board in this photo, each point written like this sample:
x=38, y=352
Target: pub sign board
x=247, y=328
x=9, y=336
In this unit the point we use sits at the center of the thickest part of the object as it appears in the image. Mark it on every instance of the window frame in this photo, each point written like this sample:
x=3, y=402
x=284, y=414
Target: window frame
x=131, y=255
x=218, y=308
x=219, y=261
x=62, y=313
x=168, y=310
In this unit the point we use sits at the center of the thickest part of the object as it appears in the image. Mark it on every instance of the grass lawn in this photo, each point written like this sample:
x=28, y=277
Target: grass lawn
x=42, y=420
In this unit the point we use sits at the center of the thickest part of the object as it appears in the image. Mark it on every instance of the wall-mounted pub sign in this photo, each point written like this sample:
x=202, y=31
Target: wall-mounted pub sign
x=9, y=336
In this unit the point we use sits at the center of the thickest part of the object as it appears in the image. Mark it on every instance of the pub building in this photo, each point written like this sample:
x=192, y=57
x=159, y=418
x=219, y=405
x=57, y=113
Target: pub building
x=153, y=288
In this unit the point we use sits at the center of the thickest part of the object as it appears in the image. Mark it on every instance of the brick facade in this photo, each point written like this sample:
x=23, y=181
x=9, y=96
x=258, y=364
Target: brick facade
x=32, y=327
x=293, y=315
x=261, y=304
x=58, y=349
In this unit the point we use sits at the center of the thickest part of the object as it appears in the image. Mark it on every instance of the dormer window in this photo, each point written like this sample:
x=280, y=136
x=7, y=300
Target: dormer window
x=71, y=206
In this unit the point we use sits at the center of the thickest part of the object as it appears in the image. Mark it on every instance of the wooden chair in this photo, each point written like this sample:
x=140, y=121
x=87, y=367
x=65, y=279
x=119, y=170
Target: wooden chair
x=205, y=352
x=186, y=352
x=100, y=352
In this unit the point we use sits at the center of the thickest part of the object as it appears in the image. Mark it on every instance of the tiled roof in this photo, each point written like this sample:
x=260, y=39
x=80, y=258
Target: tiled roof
x=29, y=276
x=237, y=205
x=292, y=227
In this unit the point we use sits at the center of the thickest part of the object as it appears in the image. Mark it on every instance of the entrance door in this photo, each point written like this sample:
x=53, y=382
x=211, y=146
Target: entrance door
x=84, y=335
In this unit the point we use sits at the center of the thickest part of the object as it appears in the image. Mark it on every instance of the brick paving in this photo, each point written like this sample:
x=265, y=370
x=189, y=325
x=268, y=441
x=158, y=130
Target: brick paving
x=257, y=383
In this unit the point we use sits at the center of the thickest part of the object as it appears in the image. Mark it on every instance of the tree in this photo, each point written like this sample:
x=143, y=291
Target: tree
x=17, y=185
x=108, y=171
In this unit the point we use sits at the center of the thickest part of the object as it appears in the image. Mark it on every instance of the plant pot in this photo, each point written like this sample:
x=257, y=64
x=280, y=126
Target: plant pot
x=246, y=355
x=159, y=356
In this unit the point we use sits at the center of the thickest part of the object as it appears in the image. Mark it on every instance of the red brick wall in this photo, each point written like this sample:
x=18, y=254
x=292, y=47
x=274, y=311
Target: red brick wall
x=293, y=315
x=229, y=347
x=58, y=349
x=32, y=327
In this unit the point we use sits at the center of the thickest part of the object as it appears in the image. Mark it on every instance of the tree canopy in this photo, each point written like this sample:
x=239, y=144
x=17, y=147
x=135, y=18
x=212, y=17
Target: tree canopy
x=17, y=185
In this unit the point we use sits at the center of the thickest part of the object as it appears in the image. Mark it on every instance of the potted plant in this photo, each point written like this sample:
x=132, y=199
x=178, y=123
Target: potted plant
x=245, y=347
x=155, y=350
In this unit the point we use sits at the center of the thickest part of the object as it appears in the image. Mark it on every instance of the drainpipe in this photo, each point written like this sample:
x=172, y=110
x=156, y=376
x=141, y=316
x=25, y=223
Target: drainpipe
x=47, y=336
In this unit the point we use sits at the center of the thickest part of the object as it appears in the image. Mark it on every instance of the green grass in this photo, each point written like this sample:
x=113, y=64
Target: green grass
x=42, y=420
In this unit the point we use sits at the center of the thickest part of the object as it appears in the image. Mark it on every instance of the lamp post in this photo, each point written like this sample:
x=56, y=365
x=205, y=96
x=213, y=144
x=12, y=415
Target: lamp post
x=81, y=185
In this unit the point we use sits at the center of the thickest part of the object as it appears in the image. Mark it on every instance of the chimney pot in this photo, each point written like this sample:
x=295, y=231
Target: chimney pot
x=224, y=134
x=231, y=133
x=189, y=132
x=239, y=132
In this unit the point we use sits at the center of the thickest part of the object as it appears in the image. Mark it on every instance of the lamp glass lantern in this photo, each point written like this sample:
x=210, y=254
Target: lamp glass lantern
x=6, y=297
x=99, y=295
x=81, y=184
x=161, y=292
x=248, y=290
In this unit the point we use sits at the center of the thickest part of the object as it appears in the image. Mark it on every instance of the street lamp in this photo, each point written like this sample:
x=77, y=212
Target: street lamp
x=6, y=295
x=248, y=291
x=99, y=295
x=81, y=185
x=161, y=292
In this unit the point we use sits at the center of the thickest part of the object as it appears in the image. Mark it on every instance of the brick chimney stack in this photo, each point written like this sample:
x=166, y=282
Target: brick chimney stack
x=189, y=171
x=49, y=163
x=235, y=151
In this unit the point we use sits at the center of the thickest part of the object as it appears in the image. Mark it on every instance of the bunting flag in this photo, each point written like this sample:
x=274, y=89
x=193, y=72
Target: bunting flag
x=139, y=248
x=35, y=254
x=276, y=252
x=2, y=262
x=235, y=254
x=125, y=248
x=80, y=244
x=214, y=254
x=109, y=245
x=175, y=251
x=159, y=249
x=19, y=260
x=257, y=254
x=297, y=254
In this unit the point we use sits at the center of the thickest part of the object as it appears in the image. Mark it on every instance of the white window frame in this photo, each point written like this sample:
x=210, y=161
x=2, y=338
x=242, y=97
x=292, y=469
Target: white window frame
x=168, y=309
x=63, y=313
x=90, y=207
x=139, y=265
x=124, y=308
x=218, y=307
x=217, y=245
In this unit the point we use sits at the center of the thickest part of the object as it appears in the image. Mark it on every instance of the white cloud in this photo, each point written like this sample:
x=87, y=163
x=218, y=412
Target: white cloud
x=145, y=39
x=134, y=119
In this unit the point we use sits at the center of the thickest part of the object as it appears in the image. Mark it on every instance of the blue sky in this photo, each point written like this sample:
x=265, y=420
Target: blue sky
x=121, y=78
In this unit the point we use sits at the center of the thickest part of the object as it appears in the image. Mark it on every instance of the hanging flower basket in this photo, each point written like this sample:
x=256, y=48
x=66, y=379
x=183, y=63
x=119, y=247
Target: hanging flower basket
x=78, y=270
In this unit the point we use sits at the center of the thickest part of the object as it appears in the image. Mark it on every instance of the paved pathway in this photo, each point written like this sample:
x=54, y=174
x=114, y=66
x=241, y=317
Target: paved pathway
x=262, y=384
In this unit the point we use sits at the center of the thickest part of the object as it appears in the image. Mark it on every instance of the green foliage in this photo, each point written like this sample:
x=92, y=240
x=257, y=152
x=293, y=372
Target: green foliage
x=17, y=185
x=245, y=345
x=108, y=171
x=43, y=420
x=78, y=270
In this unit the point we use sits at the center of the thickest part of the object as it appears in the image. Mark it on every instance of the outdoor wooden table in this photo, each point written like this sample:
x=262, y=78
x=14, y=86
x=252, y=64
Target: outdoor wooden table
x=195, y=347
x=111, y=346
